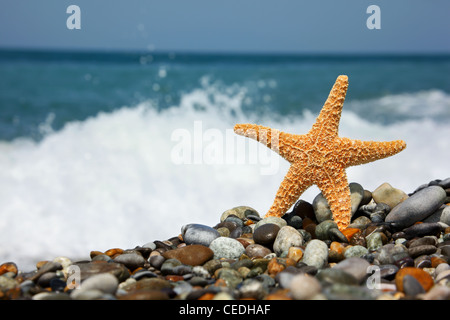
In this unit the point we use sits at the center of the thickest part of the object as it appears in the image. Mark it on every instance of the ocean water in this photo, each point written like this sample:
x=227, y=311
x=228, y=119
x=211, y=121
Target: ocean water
x=103, y=150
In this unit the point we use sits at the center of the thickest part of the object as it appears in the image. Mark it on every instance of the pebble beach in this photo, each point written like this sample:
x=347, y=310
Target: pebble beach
x=397, y=247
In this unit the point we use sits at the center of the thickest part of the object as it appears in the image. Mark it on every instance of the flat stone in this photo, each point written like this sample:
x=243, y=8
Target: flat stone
x=417, y=251
x=193, y=255
x=105, y=282
x=417, y=207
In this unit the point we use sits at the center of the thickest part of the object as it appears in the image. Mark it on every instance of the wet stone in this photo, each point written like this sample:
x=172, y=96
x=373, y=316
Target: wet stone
x=389, y=195
x=257, y=251
x=332, y=275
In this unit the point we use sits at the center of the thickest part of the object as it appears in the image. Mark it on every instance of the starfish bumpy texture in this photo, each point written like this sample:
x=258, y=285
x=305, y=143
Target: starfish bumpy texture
x=320, y=157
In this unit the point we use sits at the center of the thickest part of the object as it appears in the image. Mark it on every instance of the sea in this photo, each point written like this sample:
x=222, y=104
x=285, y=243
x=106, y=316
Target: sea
x=103, y=150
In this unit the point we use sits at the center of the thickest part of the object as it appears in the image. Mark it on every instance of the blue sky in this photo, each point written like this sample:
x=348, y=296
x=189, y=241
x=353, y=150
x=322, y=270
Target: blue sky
x=292, y=26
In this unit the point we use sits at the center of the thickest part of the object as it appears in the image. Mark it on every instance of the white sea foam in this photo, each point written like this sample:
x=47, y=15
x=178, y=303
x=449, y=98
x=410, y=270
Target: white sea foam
x=111, y=181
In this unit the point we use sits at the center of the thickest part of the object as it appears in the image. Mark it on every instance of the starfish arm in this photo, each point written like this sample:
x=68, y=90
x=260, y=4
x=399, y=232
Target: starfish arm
x=327, y=123
x=289, y=191
x=335, y=189
x=356, y=152
x=285, y=144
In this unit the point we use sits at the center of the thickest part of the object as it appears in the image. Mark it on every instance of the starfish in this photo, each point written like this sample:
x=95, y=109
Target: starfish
x=320, y=157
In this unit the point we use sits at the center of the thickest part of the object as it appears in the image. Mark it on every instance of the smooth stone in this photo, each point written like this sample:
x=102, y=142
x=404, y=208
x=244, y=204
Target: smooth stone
x=293, y=220
x=332, y=275
x=104, y=282
x=227, y=248
x=416, y=251
x=51, y=296
x=130, y=260
x=169, y=265
x=422, y=261
x=192, y=255
x=340, y=291
x=198, y=234
x=374, y=241
x=266, y=234
x=422, y=229
x=360, y=223
x=287, y=237
x=390, y=253
x=335, y=234
x=257, y=251
x=8, y=267
x=304, y=287
x=303, y=209
x=445, y=183
x=445, y=215
x=437, y=292
x=411, y=286
x=7, y=283
x=280, y=222
x=93, y=294
x=241, y=212
x=156, y=261
x=323, y=228
x=423, y=277
x=355, y=251
x=356, y=195
x=252, y=289
x=321, y=208
x=417, y=207
x=355, y=266
x=316, y=254
x=92, y=268
x=389, y=195
x=231, y=277
x=427, y=240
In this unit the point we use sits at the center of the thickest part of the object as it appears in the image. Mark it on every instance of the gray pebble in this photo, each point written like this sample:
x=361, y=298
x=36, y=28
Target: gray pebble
x=287, y=237
x=130, y=260
x=199, y=234
x=104, y=282
x=355, y=251
x=358, y=267
x=323, y=228
x=316, y=254
x=280, y=222
x=417, y=207
x=322, y=208
x=228, y=248
x=411, y=286
x=304, y=287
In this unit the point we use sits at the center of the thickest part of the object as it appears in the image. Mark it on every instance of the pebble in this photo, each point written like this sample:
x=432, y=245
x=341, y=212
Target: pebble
x=266, y=234
x=316, y=254
x=228, y=248
x=304, y=287
x=389, y=195
x=247, y=257
x=417, y=207
x=131, y=260
x=280, y=222
x=257, y=251
x=241, y=212
x=287, y=237
x=321, y=208
x=357, y=267
x=193, y=255
x=199, y=234
x=421, y=276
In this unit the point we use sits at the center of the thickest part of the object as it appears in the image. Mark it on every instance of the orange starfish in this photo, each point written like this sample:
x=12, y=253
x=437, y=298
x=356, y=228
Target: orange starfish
x=320, y=157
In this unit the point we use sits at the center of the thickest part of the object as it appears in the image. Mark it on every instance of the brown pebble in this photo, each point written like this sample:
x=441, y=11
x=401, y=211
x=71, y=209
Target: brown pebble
x=435, y=261
x=145, y=295
x=193, y=255
x=113, y=252
x=8, y=267
x=420, y=275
